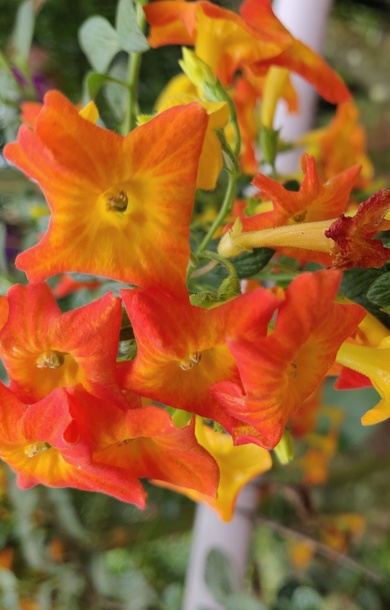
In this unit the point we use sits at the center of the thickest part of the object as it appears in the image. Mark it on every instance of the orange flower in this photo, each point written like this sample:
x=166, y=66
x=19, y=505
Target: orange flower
x=182, y=349
x=73, y=439
x=341, y=144
x=348, y=240
x=282, y=370
x=42, y=443
x=113, y=197
x=314, y=200
x=229, y=43
x=297, y=57
x=43, y=348
x=143, y=442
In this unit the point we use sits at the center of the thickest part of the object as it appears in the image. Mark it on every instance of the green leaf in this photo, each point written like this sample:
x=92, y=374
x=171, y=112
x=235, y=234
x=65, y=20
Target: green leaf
x=379, y=291
x=99, y=41
x=95, y=80
x=355, y=285
x=249, y=264
x=113, y=89
x=219, y=575
x=306, y=598
x=244, y=601
x=130, y=36
x=24, y=29
x=203, y=298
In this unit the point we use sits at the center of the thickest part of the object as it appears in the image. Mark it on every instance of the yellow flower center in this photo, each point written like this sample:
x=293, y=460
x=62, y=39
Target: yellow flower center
x=35, y=448
x=50, y=359
x=190, y=360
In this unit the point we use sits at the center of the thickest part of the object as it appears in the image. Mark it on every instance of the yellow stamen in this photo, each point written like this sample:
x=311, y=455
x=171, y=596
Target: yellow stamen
x=50, y=360
x=35, y=448
x=190, y=360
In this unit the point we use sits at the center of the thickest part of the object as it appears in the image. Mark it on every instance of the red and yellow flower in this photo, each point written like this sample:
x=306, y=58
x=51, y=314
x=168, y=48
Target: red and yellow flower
x=280, y=371
x=43, y=348
x=182, y=349
x=229, y=43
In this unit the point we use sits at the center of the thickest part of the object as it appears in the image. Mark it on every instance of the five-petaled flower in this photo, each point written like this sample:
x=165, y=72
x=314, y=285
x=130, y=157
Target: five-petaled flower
x=121, y=206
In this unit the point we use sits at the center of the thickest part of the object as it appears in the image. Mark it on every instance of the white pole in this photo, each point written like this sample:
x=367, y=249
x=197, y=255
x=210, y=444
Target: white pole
x=232, y=539
x=306, y=20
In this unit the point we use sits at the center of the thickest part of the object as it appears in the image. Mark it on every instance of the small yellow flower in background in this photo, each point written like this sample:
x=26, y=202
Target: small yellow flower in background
x=180, y=90
x=274, y=84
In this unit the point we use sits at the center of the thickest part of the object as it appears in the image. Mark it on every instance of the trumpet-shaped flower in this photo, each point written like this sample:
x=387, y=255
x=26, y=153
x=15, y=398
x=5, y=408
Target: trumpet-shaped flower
x=43, y=348
x=73, y=439
x=237, y=466
x=348, y=240
x=42, y=444
x=280, y=371
x=144, y=443
x=229, y=43
x=111, y=195
x=374, y=363
x=182, y=349
x=314, y=200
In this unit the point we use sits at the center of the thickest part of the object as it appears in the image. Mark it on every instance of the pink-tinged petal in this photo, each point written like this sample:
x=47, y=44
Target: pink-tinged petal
x=353, y=235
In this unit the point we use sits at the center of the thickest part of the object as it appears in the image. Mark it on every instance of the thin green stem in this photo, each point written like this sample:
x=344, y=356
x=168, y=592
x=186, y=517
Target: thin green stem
x=234, y=121
x=225, y=209
x=134, y=67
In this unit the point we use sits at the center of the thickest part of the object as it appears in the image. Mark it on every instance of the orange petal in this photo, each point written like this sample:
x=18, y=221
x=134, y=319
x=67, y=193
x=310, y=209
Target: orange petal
x=110, y=195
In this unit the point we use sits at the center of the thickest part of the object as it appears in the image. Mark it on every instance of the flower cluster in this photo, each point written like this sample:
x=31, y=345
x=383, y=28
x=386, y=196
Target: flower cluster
x=190, y=373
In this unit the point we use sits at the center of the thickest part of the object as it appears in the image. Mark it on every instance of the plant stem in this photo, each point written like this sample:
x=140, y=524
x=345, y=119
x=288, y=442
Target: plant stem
x=225, y=209
x=134, y=67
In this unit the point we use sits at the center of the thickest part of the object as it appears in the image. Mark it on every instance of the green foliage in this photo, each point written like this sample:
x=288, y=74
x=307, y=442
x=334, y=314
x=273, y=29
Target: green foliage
x=23, y=31
x=360, y=285
x=101, y=42
x=379, y=292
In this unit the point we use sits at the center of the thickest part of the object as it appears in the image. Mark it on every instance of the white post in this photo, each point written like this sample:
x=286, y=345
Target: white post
x=306, y=20
x=232, y=538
